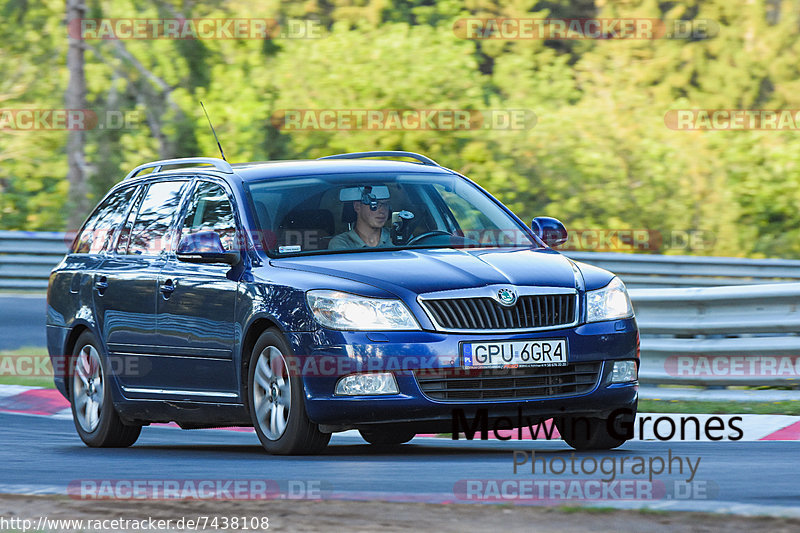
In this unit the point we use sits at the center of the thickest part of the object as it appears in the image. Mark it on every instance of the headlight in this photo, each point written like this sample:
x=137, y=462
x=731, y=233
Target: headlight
x=609, y=303
x=341, y=310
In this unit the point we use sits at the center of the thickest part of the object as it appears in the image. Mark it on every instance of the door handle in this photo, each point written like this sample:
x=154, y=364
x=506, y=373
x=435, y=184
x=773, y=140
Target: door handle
x=167, y=288
x=101, y=285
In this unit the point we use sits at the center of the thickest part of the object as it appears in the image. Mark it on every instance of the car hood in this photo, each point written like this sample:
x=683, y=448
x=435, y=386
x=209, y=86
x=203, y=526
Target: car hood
x=403, y=272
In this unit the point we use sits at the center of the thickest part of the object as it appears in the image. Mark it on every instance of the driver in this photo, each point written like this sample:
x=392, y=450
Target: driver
x=369, y=231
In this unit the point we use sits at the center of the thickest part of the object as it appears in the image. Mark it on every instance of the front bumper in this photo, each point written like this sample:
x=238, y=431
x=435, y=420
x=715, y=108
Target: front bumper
x=324, y=356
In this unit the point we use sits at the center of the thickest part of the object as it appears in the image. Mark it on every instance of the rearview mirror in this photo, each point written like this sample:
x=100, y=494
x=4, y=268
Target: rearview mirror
x=205, y=247
x=355, y=194
x=550, y=230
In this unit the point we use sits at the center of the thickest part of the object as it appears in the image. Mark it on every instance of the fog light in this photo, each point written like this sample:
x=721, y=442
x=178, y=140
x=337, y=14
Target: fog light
x=623, y=372
x=367, y=384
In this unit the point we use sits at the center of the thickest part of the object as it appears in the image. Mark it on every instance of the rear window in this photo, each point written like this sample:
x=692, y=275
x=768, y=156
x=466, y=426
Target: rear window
x=98, y=232
x=150, y=232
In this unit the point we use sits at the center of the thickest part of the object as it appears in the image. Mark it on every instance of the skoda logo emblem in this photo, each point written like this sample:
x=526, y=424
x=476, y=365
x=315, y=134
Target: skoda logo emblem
x=507, y=297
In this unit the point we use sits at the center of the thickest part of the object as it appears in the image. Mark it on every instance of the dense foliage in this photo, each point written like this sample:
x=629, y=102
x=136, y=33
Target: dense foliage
x=599, y=157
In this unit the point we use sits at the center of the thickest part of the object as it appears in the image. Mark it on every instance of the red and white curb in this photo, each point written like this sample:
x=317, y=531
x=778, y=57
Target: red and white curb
x=49, y=402
x=33, y=401
x=41, y=402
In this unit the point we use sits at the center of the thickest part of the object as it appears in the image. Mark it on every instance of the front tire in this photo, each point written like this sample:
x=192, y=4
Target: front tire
x=586, y=434
x=277, y=403
x=96, y=420
x=386, y=437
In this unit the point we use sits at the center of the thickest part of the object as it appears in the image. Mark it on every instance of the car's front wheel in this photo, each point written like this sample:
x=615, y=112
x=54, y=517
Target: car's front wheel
x=585, y=433
x=96, y=420
x=277, y=404
x=386, y=437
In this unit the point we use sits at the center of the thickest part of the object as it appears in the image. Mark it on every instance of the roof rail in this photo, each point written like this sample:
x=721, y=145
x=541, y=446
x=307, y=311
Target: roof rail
x=219, y=164
x=361, y=155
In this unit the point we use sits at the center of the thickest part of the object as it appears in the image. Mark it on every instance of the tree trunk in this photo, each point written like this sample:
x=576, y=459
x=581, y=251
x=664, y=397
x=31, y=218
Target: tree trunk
x=75, y=98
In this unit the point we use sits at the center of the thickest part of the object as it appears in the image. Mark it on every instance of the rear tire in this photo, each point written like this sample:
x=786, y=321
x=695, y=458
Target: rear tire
x=277, y=402
x=387, y=437
x=96, y=420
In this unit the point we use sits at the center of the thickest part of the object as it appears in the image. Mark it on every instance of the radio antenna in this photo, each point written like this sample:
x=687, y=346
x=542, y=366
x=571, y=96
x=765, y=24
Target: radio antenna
x=212, y=131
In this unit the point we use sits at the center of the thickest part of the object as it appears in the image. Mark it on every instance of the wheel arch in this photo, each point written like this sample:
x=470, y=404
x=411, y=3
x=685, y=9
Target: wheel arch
x=69, y=346
x=258, y=326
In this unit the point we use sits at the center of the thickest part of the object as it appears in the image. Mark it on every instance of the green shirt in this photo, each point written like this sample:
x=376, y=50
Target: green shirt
x=350, y=240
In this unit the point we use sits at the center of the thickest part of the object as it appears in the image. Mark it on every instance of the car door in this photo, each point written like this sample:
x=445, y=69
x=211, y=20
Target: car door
x=196, y=304
x=126, y=286
x=88, y=253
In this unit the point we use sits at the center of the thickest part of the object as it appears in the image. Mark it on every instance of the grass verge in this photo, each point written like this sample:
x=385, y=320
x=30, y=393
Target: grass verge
x=29, y=366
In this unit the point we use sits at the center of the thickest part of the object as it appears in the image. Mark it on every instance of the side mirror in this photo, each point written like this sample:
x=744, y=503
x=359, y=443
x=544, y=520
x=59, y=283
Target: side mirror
x=550, y=230
x=205, y=247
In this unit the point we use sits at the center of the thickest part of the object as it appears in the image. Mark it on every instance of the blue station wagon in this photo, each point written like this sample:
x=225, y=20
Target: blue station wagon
x=356, y=291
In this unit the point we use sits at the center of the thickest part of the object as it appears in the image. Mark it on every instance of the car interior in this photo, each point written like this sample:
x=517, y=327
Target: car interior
x=310, y=219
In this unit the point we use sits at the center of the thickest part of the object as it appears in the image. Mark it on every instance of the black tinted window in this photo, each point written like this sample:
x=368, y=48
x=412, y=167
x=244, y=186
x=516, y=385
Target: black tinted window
x=98, y=231
x=149, y=234
x=210, y=210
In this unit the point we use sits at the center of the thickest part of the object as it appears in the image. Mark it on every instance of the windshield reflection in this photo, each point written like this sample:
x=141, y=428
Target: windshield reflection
x=379, y=211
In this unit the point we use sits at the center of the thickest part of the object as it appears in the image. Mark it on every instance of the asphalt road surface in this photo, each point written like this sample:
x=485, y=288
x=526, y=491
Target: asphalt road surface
x=43, y=455
x=22, y=321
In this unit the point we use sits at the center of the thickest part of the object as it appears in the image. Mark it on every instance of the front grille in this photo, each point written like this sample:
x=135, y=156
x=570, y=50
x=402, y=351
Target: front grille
x=524, y=383
x=533, y=311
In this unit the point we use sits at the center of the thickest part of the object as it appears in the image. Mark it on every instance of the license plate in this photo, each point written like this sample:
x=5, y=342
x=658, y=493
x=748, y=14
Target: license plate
x=538, y=352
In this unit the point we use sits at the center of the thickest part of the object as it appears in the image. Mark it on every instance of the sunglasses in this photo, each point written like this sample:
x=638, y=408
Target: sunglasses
x=374, y=206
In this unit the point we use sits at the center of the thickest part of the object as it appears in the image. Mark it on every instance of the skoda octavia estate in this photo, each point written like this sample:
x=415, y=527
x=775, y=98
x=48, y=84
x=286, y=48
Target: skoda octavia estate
x=356, y=291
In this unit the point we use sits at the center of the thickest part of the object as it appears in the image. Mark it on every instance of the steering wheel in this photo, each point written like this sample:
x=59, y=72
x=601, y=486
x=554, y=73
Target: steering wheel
x=427, y=234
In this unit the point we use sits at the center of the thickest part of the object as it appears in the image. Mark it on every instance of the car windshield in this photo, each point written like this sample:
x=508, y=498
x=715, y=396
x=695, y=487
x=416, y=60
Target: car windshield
x=379, y=211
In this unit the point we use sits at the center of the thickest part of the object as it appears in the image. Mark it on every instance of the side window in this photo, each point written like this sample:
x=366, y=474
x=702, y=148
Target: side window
x=97, y=233
x=210, y=210
x=149, y=233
